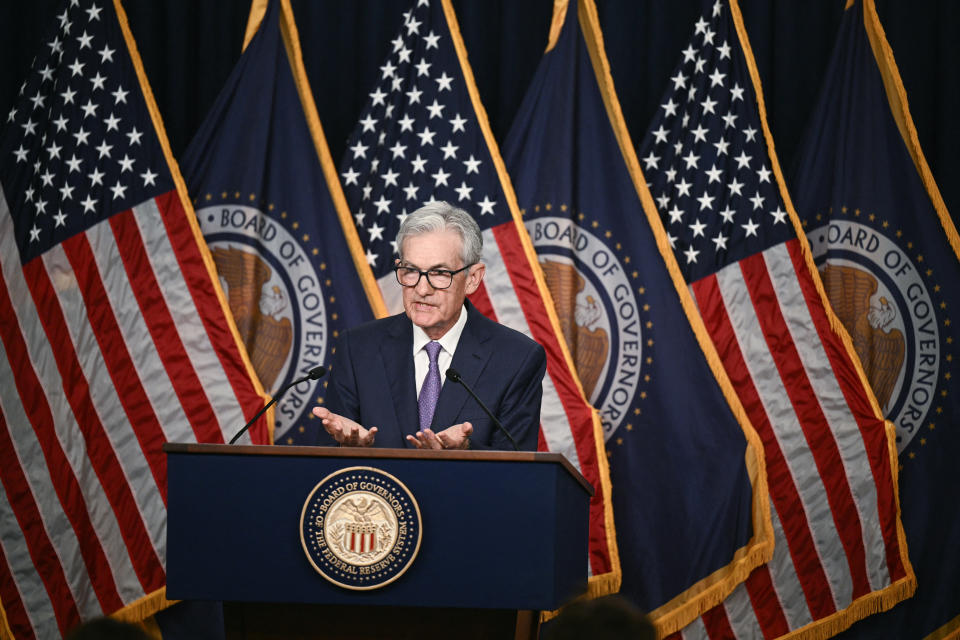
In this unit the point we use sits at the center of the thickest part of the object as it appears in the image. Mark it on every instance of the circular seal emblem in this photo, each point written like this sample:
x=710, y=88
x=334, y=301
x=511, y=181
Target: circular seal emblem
x=276, y=298
x=882, y=297
x=360, y=528
x=598, y=310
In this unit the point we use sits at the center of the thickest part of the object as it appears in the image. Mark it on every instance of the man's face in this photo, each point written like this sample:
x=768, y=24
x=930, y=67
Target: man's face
x=436, y=310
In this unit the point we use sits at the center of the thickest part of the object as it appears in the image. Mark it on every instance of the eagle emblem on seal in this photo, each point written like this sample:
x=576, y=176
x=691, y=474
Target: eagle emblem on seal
x=588, y=345
x=880, y=346
x=267, y=334
x=362, y=529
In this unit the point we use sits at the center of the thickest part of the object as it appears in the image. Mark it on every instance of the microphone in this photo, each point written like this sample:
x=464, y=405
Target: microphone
x=454, y=375
x=314, y=374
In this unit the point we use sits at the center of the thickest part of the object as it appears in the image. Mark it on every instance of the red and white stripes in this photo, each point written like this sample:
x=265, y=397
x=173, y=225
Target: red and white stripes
x=111, y=343
x=828, y=464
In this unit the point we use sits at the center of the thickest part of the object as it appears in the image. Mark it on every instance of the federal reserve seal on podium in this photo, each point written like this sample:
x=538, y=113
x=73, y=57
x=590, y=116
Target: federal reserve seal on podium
x=360, y=528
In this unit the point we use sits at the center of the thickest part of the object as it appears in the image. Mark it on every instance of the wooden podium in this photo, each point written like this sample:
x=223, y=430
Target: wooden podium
x=503, y=535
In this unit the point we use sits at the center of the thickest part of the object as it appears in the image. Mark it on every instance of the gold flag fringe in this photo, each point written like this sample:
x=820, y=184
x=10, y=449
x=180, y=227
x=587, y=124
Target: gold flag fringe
x=156, y=601
x=874, y=602
x=142, y=609
x=597, y=586
x=151, y=628
x=711, y=591
x=949, y=631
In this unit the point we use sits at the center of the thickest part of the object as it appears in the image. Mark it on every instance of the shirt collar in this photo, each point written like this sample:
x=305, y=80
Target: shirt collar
x=448, y=341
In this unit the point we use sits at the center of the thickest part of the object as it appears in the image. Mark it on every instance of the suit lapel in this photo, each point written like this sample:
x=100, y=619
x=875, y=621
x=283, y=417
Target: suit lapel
x=469, y=359
x=397, y=355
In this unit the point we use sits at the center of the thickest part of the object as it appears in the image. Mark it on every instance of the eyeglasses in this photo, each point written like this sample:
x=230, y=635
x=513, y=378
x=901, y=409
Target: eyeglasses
x=436, y=278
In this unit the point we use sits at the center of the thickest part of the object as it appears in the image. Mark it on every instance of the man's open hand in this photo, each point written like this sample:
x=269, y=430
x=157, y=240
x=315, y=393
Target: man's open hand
x=344, y=430
x=455, y=437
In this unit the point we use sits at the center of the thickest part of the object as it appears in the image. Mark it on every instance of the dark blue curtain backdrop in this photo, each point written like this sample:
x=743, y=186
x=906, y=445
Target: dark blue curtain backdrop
x=189, y=48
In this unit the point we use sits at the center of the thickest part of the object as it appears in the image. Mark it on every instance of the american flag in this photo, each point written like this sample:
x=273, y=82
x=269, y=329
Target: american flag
x=839, y=553
x=424, y=136
x=860, y=172
x=575, y=172
x=114, y=336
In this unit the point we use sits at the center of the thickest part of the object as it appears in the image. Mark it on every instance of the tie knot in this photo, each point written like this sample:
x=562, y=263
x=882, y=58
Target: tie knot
x=433, y=350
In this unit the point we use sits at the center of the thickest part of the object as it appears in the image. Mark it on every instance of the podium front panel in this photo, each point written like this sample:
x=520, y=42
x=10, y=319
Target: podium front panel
x=496, y=533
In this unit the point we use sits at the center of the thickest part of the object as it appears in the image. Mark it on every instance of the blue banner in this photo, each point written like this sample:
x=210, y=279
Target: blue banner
x=266, y=197
x=887, y=253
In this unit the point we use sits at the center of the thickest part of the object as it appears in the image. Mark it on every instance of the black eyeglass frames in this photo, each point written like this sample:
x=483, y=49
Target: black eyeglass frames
x=436, y=278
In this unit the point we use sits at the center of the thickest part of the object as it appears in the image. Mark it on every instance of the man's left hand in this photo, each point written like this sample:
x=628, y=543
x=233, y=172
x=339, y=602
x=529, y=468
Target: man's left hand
x=455, y=437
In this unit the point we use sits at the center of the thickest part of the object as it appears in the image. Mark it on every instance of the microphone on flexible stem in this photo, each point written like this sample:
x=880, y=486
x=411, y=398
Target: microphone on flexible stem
x=314, y=374
x=454, y=375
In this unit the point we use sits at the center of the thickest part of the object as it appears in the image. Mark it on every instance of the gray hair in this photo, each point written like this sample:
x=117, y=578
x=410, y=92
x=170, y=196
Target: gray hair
x=441, y=216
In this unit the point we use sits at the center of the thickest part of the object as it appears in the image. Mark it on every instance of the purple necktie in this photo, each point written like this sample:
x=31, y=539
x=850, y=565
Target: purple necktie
x=430, y=391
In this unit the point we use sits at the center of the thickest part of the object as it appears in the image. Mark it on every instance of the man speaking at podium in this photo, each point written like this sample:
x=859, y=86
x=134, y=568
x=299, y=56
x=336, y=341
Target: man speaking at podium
x=388, y=383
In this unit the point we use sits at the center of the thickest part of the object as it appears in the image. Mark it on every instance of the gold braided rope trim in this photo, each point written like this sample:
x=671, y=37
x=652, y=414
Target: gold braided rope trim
x=556, y=23
x=258, y=8
x=897, y=98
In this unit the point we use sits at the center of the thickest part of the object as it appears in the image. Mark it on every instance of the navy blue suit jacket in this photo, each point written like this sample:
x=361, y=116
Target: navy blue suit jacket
x=372, y=382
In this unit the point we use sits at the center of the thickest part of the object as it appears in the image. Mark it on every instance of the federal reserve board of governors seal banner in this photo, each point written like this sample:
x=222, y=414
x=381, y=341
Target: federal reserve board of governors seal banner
x=258, y=174
x=887, y=250
x=360, y=528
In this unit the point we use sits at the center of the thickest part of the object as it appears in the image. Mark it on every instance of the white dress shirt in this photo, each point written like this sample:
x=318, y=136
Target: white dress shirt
x=448, y=343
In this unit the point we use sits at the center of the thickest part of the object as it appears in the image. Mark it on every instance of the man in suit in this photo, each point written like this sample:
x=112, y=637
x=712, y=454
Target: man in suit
x=387, y=384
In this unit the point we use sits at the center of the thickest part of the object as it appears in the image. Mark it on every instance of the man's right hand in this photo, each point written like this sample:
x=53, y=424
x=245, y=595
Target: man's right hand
x=344, y=430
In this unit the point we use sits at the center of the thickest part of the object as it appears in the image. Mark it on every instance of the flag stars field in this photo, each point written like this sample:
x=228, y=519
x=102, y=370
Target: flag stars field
x=428, y=143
